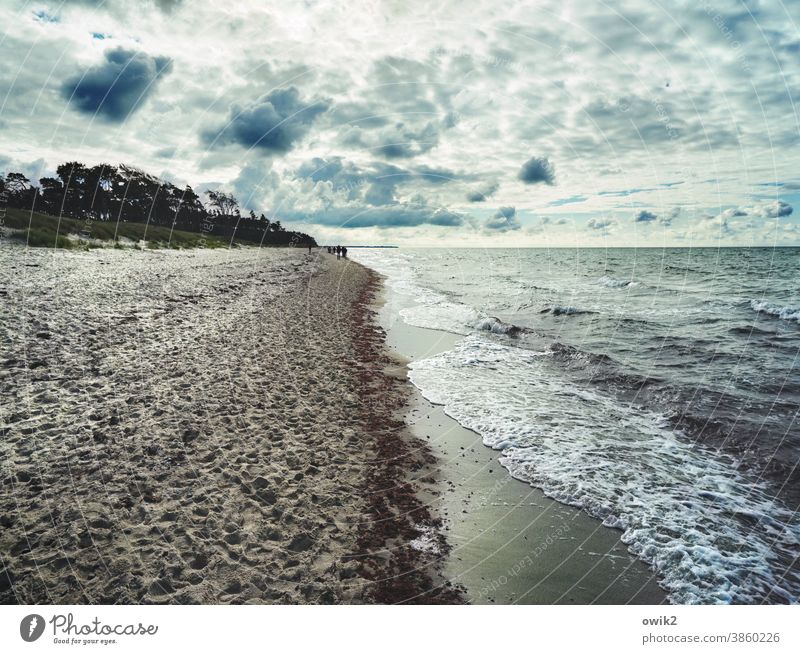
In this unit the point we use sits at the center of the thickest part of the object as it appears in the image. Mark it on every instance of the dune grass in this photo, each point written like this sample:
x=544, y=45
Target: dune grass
x=40, y=230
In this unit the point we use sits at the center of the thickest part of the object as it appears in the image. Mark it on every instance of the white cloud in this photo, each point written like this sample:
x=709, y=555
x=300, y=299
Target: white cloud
x=600, y=225
x=684, y=107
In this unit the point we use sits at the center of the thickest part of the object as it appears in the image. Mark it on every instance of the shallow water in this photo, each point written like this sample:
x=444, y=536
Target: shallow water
x=656, y=389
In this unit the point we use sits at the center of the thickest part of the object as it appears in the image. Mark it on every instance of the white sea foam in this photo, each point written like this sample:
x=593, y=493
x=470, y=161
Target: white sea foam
x=611, y=282
x=432, y=310
x=444, y=316
x=680, y=508
x=784, y=313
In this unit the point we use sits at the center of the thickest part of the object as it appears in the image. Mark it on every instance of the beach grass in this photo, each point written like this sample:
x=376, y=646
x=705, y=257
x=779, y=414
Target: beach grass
x=41, y=230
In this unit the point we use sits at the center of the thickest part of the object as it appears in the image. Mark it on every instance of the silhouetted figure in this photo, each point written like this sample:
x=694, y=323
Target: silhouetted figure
x=344, y=251
x=329, y=249
x=309, y=249
x=338, y=251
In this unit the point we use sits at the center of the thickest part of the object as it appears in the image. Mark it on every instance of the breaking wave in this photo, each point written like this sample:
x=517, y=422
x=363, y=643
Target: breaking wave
x=610, y=282
x=770, y=309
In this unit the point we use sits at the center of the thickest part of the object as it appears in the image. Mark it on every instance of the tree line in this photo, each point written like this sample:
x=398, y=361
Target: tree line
x=126, y=194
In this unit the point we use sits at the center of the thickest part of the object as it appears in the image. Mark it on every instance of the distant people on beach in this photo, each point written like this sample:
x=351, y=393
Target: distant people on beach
x=309, y=249
x=338, y=250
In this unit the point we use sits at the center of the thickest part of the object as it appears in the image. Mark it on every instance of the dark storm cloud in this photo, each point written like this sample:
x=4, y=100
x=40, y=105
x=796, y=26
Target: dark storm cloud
x=117, y=87
x=599, y=224
x=505, y=220
x=536, y=170
x=774, y=209
x=166, y=153
x=372, y=195
x=645, y=217
x=674, y=213
x=274, y=123
x=320, y=170
x=766, y=210
x=380, y=193
x=719, y=224
x=398, y=140
x=378, y=178
x=777, y=209
x=482, y=193
x=572, y=199
x=376, y=185
x=168, y=5
x=403, y=142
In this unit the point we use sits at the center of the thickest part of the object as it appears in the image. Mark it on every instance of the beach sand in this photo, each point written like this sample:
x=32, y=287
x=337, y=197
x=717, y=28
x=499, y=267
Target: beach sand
x=205, y=427
x=509, y=543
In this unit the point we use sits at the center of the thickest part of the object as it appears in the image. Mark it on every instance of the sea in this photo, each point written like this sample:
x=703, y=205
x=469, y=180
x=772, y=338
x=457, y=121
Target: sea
x=656, y=389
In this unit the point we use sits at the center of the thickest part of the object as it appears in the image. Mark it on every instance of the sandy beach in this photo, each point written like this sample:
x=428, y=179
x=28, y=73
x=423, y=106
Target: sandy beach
x=206, y=427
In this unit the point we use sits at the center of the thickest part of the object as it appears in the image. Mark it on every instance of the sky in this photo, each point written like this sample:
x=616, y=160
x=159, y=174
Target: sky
x=533, y=123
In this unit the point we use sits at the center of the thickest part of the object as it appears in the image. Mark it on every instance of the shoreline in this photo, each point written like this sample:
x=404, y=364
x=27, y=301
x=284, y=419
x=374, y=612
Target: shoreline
x=400, y=550
x=508, y=542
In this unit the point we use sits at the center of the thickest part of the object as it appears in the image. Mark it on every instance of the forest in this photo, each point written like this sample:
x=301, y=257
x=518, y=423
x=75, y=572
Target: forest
x=124, y=194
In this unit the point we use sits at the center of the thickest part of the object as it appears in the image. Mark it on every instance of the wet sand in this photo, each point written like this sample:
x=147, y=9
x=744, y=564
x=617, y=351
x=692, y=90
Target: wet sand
x=509, y=543
x=204, y=427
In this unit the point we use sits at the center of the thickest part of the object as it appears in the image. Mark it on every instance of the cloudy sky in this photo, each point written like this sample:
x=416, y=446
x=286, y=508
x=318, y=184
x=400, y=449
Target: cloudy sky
x=571, y=122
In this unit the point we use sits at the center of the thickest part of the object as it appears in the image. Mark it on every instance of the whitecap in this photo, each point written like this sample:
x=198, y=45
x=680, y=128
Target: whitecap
x=611, y=282
x=784, y=313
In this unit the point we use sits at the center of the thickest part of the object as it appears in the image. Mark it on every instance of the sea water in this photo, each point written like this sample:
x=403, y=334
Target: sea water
x=657, y=389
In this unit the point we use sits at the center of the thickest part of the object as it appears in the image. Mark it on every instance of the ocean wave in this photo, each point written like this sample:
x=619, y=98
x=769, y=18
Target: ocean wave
x=713, y=535
x=771, y=309
x=566, y=311
x=458, y=318
x=497, y=326
x=683, y=269
x=610, y=282
x=571, y=352
x=750, y=330
x=444, y=316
